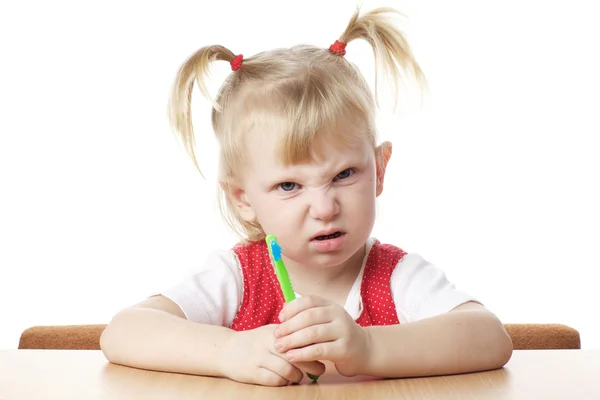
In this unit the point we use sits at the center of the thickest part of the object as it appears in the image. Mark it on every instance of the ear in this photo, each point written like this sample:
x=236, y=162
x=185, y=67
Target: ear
x=383, y=153
x=239, y=200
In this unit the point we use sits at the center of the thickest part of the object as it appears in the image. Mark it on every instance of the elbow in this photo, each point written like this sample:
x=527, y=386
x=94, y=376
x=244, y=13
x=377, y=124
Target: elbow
x=106, y=342
x=500, y=345
x=490, y=344
x=504, y=348
x=110, y=341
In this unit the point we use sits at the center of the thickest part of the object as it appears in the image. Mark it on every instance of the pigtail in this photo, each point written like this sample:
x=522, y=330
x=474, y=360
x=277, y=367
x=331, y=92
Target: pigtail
x=194, y=69
x=390, y=47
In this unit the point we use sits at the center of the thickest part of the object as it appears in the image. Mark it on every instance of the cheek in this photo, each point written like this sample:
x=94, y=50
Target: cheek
x=262, y=207
x=362, y=201
x=364, y=191
x=273, y=214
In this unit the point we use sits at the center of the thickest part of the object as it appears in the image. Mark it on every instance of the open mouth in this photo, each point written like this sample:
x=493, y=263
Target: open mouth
x=327, y=237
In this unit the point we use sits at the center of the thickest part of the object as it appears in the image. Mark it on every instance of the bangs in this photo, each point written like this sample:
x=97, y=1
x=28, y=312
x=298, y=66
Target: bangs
x=312, y=107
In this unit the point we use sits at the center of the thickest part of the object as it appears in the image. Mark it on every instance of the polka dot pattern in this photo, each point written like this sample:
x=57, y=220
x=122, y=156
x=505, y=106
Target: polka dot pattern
x=375, y=290
x=263, y=300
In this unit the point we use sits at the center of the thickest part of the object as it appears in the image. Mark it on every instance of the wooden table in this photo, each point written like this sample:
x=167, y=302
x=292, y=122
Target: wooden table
x=73, y=374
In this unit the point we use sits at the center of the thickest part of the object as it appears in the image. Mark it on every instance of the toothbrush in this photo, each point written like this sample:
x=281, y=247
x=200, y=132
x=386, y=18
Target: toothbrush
x=282, y=277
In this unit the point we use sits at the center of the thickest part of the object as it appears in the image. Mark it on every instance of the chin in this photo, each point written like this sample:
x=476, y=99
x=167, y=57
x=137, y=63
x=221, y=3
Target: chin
x=334, y=258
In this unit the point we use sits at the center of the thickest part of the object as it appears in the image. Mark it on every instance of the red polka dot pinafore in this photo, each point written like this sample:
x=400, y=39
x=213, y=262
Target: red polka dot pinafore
x=263, y=300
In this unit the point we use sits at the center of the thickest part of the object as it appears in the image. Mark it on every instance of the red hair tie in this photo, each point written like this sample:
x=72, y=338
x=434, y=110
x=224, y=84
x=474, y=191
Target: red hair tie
x=338, y=48
x=236, y=63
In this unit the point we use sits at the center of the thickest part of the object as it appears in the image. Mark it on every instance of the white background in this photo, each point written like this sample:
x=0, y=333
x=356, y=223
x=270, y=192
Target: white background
x=494, y=178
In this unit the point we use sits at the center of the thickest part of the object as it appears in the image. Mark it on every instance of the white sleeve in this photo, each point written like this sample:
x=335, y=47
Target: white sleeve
x=421, y=290
x=213, y=294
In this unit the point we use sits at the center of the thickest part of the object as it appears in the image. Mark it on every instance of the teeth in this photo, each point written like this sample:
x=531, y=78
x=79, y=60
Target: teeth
x=326, y=237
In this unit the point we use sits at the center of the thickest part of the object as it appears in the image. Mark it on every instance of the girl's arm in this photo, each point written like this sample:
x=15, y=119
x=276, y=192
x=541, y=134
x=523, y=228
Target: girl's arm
x=155, y=335
x=466, y=339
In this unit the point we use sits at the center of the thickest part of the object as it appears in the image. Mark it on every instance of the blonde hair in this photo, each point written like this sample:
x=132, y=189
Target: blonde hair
x=303, y=91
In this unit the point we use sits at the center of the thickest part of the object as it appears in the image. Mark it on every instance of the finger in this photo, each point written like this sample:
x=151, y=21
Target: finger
x=309, y=317
x=269, y=378
x=312, y=367
x=310, y=335
x=318, y=351
x=294, y=307
x=283, y=368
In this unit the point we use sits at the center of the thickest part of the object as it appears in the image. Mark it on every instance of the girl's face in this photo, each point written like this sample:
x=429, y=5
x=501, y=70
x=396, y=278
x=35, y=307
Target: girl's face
x=322, y=211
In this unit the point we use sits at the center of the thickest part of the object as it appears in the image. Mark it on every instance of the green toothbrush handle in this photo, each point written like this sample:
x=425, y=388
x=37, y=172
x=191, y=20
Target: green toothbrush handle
x=282, y=277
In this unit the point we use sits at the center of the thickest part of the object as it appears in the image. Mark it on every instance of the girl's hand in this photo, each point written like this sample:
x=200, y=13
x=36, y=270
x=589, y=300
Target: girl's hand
x=250, y=357
x=313, y=329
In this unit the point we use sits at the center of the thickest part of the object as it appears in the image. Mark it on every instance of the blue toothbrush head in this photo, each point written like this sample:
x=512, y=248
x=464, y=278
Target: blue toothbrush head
x=276, y=250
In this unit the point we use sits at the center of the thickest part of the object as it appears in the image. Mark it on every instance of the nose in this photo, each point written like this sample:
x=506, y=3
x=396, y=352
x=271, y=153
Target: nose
x=324, y=205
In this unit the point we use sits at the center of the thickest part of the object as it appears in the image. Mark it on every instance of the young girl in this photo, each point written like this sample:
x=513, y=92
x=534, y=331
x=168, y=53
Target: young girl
x=299, y=159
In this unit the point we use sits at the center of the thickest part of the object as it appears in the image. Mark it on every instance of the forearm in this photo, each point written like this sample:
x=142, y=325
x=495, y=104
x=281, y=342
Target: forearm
x=456, y=342
x=156, y=340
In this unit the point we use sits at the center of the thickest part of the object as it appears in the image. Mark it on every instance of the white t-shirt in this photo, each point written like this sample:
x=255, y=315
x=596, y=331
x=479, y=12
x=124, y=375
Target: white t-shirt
x=213, y=294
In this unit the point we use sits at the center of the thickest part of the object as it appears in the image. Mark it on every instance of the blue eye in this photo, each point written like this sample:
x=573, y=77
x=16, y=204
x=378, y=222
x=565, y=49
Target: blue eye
x=287, y=186
x=344, y=174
